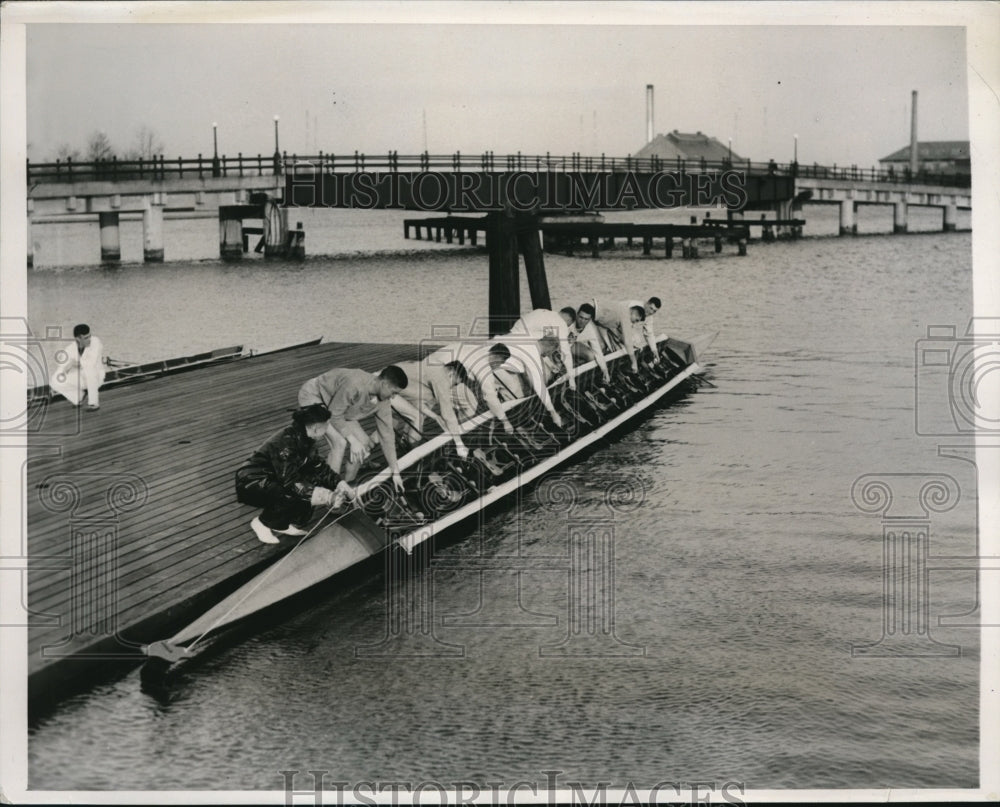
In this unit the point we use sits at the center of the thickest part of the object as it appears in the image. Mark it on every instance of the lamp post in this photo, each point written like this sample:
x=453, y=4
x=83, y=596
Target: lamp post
x=277, y=153
x=215, y=150
x=730, y=151
x=795, y=156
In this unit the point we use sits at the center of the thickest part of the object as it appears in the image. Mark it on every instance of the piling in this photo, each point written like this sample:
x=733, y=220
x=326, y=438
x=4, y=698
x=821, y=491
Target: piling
x=230, y=234
x=899, y=211
x=275, y=229
x=848, y=226
x=950, y=214
x=530, y=245
x=504, y=282
x=111, y=249
x=152, y=228
x=297, y=243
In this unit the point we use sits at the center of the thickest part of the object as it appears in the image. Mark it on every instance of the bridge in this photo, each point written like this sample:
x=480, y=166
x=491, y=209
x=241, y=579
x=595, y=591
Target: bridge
x=516, y=192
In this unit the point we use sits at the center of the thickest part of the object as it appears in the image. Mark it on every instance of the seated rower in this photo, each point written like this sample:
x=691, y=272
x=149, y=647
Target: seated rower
x=587, y=344
x=542, y=324
x=287, y=477
x=432, y=392
x=351, y=395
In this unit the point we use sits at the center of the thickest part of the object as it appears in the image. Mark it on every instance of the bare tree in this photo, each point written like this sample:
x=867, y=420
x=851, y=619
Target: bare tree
x=145, y=146
x=99, y=147
x=67, y=152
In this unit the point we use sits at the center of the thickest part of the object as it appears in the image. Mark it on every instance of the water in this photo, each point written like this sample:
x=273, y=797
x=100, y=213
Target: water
x=743, y=573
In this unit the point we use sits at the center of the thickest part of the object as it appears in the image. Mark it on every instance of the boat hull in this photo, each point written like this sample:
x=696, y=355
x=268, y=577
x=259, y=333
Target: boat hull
x=385, y=517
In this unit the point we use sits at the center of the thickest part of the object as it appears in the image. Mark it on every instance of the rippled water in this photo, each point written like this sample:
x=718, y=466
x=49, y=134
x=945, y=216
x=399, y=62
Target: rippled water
x=743, y=573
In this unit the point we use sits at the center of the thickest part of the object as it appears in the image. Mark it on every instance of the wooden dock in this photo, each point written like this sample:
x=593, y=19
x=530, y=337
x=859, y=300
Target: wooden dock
x=133, y=523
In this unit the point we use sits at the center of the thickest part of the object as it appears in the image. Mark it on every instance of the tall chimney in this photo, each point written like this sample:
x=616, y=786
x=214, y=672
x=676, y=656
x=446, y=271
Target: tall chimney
x=649, y=113
x=913, y=134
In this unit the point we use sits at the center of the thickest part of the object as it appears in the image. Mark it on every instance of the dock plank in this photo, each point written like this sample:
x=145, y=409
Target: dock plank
x=183, y=437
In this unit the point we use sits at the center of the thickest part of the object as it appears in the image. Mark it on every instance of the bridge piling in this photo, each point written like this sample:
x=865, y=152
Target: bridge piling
x=950, y=212
x=152, y=228
x=899, y=211
x=848, y=225
x=111, y=250
x=230, y=234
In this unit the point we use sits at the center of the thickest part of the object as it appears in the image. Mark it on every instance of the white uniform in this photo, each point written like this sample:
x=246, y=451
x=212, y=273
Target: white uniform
x=76, y=373
x=544, y=324
x=589, y=338
x=646, y=327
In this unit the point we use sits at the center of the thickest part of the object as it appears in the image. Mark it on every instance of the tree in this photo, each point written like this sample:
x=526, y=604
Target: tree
x=99, y=147
x=146, y=145
x=67, y=152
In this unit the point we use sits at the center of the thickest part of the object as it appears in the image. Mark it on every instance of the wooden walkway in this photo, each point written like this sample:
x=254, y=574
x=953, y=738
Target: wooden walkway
x=133, y=524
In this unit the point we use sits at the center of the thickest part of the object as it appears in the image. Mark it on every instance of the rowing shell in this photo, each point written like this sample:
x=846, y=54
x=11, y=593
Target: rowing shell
x=354, y=536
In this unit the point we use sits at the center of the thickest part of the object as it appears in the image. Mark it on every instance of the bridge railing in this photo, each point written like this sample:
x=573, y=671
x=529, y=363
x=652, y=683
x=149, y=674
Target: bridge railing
x=161, y=168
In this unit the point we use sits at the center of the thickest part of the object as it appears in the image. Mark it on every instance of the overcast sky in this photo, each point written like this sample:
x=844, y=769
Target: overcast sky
x=845, y=91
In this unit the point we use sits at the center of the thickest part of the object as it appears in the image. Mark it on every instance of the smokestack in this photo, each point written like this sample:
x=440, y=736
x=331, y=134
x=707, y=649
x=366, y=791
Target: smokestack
x=649, y=113
x=913, y=134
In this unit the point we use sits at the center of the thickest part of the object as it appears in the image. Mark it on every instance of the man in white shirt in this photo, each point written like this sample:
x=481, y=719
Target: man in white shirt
x=432, y=392
x=483, y=360
x=586, y=341
x=80, y=369
x=542, y=324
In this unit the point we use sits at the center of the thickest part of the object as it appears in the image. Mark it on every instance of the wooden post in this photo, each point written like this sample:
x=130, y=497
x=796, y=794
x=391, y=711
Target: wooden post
x=529, y=243
x=950, y=212
x=504, y=283
x=275, y=230
x=647, y=244
x=899, y=212
x=848, y=226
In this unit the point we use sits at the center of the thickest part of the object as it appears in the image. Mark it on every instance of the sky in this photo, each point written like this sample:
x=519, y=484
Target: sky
x=844, y=90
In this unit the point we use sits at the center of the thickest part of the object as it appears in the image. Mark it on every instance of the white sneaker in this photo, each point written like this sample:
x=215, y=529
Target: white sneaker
x=291, y=530
x=264, y=534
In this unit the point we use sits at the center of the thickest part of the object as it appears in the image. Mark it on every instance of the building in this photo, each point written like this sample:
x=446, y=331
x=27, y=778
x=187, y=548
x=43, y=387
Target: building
x=939, y=156
x=687, y=146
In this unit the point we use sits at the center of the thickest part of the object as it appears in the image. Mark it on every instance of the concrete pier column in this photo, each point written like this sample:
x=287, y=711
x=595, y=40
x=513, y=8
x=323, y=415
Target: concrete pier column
x=848, y=225
x=152, y=228
x=230, y=234
x=276, y=229
x=111, y=244
x=297, y=243
x=899, y=217
x=950, y=215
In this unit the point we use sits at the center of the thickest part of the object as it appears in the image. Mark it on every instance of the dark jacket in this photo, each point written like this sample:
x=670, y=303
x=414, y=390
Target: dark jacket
x=287, y=464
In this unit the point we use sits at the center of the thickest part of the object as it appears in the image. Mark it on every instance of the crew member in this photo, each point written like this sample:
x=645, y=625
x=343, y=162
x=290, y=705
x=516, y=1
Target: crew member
x=548, y=326
x=618, y=321
x=287, y=477
x=433, y=392
x=80, y=369
x=351, y=395
x=586, y=341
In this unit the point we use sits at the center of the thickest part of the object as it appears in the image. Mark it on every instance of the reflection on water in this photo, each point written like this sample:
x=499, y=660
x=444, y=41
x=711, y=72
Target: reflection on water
x=742, y=573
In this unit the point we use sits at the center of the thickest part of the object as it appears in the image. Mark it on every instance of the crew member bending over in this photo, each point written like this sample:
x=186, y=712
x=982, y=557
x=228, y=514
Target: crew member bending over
x=287, y=477
x=587, y=344
x=80, y=369
x=645, y=328
x=542, y=324
x=351, y=395
x=618, y=321
x=433, y=392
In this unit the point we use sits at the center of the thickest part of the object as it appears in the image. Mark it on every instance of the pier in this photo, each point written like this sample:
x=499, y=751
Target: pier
x=133, y=523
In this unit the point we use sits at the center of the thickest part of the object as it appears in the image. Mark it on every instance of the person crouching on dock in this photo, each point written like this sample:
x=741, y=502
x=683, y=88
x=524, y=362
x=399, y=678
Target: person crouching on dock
x=351, y=395
x=287, y=477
